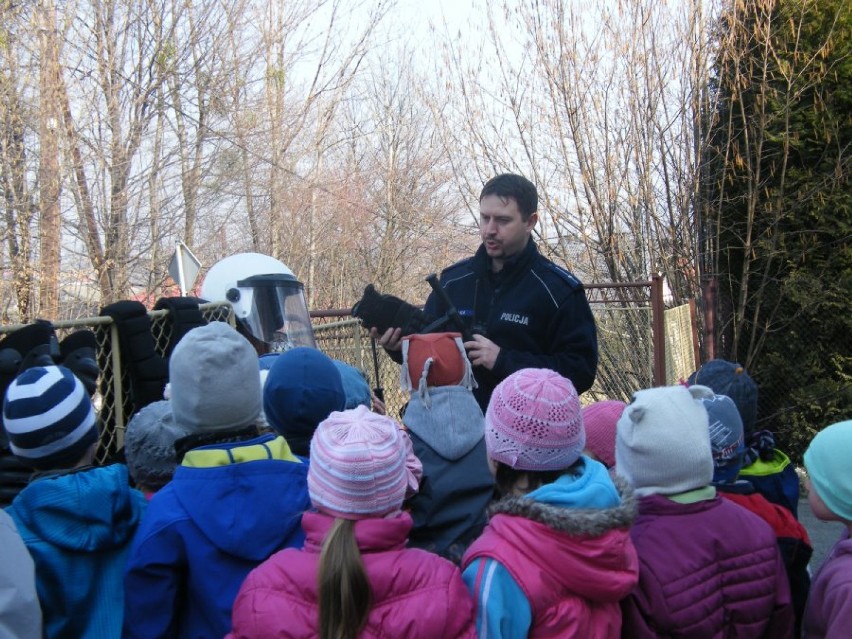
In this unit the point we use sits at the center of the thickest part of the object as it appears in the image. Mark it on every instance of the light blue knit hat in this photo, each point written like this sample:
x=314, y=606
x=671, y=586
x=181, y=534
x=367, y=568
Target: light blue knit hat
x=827, y=463
x=355, y=385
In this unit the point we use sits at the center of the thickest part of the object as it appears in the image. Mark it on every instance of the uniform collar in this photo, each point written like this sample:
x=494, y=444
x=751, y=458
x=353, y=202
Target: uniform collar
x=515, y=264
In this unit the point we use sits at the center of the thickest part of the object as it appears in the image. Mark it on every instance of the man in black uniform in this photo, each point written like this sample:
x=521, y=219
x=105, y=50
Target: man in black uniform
x=524, y=310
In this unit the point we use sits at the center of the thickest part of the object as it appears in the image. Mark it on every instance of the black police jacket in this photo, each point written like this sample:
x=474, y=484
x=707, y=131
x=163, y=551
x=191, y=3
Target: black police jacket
x=534, y=310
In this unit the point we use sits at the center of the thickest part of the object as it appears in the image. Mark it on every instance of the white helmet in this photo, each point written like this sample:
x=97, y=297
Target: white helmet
x=268, y=300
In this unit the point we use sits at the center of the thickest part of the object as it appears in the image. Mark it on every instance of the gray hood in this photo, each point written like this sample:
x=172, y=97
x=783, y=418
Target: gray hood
x=447, y=418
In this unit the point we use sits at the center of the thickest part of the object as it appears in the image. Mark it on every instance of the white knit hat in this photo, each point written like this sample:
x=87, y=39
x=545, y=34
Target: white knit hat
x=662, y=442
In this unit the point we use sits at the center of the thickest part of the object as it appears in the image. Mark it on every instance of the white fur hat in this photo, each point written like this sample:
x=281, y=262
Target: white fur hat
x=662, y=442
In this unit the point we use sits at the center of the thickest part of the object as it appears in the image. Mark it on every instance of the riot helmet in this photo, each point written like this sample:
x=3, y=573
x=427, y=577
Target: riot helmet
x=268, y=301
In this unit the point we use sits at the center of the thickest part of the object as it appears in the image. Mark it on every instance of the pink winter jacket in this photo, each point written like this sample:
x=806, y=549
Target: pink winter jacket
x=573, y=565
x=415, y=593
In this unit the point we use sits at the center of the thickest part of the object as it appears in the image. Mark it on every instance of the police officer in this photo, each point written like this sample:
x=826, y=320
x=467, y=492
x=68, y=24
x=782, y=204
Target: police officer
x=524, y=310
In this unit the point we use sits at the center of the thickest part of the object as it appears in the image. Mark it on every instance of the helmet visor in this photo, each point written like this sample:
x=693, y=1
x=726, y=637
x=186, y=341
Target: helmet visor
x=279, y=314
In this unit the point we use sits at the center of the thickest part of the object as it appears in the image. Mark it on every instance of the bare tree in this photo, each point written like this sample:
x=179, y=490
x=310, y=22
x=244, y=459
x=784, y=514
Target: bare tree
x=16, y=167
x=402, y=225
x=273, y=165
x=49, y=177
x=599, y=106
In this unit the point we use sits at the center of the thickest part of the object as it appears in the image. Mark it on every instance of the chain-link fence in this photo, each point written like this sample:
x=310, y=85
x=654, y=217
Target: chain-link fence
x=631, y=338
x=803, y=386
x=114, y=401
x=628, y=344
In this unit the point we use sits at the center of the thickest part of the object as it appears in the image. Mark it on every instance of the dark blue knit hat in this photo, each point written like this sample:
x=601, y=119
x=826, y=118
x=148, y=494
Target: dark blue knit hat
x=303, y=387
x=49, y=418
x=731, y=379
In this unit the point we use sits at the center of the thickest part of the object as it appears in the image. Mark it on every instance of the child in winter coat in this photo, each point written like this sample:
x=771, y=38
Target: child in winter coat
x=829, y=609
x=77, y=521
x=556, y=556
x=768, y=469
x=356, y=389
x=727, y=444
x=708, y=567
x=20, y=615
x=447, y=432
x=303, y=387
x=236, y=497
x=600, y=420
x=355, y=577
x=149, y=446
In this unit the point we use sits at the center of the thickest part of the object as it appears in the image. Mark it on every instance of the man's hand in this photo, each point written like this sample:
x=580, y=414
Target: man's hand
x=391, y=340
x=482, y=351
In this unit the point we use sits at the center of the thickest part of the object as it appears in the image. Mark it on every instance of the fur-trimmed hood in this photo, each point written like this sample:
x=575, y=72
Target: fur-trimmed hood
x=573, y=521
x=557, y=551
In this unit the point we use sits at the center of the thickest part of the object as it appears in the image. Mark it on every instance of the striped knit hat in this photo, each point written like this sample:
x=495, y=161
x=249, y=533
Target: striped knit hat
x=358, y=465
x=49, y=418
x=533, y=421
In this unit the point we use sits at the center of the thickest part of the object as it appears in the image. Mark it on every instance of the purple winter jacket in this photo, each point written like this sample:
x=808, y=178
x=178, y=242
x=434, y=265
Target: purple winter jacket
x=709, y=569
x=829, y=609
x=415, y=594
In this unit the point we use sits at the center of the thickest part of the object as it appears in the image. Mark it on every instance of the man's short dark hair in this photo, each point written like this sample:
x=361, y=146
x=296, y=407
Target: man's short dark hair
x=516, y=187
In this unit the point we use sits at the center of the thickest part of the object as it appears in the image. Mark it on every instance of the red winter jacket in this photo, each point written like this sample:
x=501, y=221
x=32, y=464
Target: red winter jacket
x=415, y=594
x=707, y=570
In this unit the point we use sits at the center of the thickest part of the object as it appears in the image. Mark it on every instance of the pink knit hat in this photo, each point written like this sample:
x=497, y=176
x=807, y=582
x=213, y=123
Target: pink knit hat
x=600, y=419
x=533, y=421
x=358, y=465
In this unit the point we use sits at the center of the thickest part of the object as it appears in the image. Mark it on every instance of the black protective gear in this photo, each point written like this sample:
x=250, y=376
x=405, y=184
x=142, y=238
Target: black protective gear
x=387, y=311
x=79, y=354
x=32, y=345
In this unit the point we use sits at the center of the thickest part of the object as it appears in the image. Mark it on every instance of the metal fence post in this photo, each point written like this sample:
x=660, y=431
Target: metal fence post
x=658, y=331
x=118, y=391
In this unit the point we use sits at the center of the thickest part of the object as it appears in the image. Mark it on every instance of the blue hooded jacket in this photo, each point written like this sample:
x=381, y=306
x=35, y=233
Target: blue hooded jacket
x=227, y=509
x=78, y=527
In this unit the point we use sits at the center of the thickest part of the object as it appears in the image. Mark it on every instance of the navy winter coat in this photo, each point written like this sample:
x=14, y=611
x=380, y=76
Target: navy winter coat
x=534, y=310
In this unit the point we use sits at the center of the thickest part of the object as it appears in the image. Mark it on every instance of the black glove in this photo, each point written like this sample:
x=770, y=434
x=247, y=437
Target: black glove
x=79, y=354
x=387, y=311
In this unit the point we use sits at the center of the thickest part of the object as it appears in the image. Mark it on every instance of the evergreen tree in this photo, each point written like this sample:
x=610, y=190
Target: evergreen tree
x=779, y=207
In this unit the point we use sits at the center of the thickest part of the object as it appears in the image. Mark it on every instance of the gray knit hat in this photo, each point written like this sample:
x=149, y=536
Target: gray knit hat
x=214, y=379
x=662, y=442
x=149, y=445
